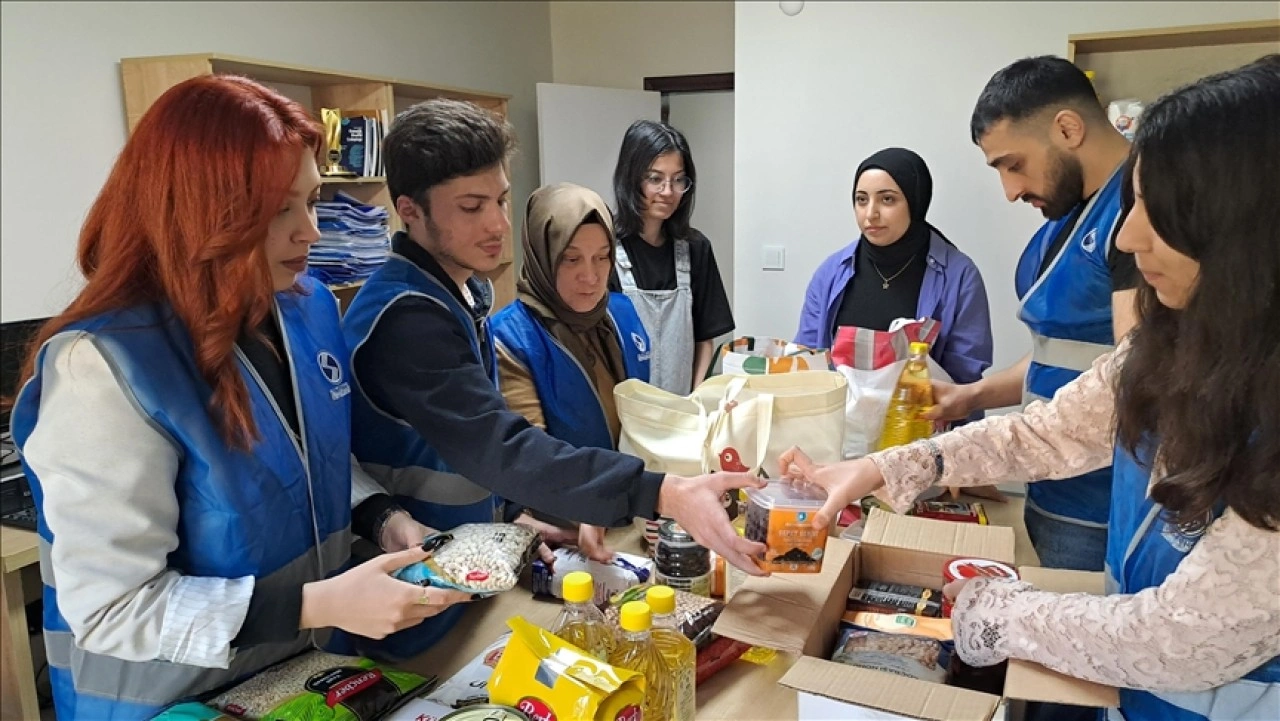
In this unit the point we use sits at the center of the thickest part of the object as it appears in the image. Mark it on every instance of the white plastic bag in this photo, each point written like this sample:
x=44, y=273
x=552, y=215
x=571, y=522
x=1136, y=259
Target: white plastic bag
x=871, y=362
x=869, y=393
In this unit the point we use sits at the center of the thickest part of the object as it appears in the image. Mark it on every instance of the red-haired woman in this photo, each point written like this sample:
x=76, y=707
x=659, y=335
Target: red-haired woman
x=185, y=423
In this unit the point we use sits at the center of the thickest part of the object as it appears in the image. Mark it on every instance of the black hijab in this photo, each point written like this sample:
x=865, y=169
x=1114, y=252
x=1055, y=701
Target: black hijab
x=911, y=174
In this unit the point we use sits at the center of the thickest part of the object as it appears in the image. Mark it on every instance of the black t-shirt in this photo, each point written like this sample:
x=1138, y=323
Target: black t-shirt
x=868, y=304
x=655, y=269
x=1124, y=269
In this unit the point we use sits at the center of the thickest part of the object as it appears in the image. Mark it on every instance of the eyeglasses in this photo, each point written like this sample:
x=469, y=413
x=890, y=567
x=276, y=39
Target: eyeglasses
x=657, y=183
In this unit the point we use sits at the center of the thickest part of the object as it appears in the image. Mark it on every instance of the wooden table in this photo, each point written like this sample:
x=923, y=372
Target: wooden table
x=19, y=561
x=740, y=692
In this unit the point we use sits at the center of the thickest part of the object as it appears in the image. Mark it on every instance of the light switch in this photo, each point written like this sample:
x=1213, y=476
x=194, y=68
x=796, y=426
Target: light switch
x=775, y=257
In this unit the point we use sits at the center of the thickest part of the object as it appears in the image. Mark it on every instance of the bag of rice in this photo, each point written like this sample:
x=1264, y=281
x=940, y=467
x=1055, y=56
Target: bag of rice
x=478, y=558
x=469, y=686
x=319, y=686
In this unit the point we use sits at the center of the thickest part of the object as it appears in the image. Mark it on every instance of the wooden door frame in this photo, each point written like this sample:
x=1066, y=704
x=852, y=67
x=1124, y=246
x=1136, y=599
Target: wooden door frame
x=703, y=83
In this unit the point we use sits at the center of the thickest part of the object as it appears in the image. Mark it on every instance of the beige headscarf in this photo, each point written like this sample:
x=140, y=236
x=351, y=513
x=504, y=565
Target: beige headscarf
x=553, y=215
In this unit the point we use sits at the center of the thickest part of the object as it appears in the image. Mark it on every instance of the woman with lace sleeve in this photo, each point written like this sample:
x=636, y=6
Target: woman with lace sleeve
x=1186, y=411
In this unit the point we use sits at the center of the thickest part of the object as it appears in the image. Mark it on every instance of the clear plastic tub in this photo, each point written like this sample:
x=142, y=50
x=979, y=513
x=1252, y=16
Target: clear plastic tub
x=780, y=515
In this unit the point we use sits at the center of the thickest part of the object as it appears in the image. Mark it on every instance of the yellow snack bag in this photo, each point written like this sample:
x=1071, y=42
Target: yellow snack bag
x=550, y=680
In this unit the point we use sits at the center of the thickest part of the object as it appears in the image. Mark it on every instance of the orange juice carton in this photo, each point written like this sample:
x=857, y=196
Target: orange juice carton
x=548, y=679
x=780, y=515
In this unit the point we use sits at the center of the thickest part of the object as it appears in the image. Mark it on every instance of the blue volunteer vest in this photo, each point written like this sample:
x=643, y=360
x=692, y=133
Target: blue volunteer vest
x=1142, y=550
x=258, y=513
x=397, y=455
x=1068, y=310
x=570, y=404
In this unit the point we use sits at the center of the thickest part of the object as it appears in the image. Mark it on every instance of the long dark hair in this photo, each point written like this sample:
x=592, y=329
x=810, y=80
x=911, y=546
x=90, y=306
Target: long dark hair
x=1204, y=382
x=644, y=141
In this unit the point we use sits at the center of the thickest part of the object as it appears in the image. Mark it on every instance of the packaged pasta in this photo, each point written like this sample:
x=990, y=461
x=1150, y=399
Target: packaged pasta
x=912, y=656
x=935, y=628
x=882, y=597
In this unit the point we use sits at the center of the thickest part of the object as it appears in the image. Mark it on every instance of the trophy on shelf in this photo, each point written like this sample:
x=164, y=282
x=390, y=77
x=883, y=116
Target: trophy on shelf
x=332, y=118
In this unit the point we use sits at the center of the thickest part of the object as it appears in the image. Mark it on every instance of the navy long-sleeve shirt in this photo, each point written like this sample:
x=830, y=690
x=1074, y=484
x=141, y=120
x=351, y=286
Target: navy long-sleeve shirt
x=419, y=366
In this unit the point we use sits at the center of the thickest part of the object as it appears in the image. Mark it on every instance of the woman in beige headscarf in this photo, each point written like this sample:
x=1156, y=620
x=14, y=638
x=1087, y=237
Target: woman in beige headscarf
x=566, y=341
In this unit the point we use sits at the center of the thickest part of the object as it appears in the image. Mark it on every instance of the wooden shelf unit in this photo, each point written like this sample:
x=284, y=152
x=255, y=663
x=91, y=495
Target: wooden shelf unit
x=1145, y=64
x=146, y=78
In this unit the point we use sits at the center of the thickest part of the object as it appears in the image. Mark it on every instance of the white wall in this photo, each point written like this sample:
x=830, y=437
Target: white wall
x=706, y=119
x=63, y=113
x=818, y=92
x=619, y=44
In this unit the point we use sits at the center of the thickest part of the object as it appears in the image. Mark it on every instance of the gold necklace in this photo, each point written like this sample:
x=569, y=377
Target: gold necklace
x=903, y=269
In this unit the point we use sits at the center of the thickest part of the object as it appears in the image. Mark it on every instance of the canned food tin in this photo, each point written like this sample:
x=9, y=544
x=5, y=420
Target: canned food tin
x=486, y=712
x=958, y=568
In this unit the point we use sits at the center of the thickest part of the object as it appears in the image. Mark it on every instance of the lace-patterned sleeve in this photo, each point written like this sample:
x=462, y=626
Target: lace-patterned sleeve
x=1067, y=436
x=1213, y=619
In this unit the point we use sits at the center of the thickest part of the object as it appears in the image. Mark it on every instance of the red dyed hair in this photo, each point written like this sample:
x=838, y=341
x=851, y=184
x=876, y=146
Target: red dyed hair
x=183, y=219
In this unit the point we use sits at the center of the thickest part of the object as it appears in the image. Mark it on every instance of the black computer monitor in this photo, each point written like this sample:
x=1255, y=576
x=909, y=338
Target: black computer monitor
x=15, y=342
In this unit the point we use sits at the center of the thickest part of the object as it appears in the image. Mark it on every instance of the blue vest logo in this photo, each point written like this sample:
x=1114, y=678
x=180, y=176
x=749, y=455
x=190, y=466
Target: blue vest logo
x=332, y=371
x=641, y=347
x=1090, y=241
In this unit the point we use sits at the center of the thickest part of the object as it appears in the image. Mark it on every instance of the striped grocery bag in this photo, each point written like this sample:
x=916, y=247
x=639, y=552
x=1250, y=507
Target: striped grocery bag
x=868, y=350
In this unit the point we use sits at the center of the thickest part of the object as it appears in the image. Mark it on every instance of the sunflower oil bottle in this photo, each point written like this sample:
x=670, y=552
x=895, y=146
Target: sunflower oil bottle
x=911, y=396
x=580, y=622
x=679, y=652
x=635, y=650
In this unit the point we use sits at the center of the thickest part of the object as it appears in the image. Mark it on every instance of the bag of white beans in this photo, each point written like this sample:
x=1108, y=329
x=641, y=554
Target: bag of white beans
x=478, y=558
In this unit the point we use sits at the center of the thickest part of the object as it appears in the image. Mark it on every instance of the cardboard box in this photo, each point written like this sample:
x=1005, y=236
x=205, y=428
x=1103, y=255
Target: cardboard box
x=801, y=613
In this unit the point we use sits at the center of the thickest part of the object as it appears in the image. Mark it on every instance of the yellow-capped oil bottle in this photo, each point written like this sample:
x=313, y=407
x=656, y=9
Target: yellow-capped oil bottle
x=679, y=652
x=636, y=651
x=580, y=622
x=911, y=396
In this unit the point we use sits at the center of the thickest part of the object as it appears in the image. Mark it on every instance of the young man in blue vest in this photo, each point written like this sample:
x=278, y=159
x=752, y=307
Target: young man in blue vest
x=428, y=419
x=1040, y=125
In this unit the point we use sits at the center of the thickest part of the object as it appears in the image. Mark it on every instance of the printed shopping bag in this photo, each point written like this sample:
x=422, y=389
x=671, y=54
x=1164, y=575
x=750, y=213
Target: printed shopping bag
x=733, y=423
x=750, y=355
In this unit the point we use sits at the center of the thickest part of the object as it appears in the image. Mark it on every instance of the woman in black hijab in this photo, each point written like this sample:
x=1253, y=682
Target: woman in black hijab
x=901, y=267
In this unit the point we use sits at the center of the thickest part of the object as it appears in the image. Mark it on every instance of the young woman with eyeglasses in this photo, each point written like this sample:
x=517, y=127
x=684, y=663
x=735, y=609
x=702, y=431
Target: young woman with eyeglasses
x=666, y=267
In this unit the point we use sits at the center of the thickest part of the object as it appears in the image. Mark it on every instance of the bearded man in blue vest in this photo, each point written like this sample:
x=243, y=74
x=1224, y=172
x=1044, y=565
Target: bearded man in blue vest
x=428, y=419
x=1040, y=125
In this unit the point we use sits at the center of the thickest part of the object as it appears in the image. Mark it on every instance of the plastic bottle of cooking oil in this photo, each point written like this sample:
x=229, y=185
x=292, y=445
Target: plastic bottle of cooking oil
x=636, y=651
x=580, y=622
x=912, y=395
x=679, y=652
